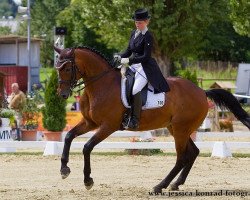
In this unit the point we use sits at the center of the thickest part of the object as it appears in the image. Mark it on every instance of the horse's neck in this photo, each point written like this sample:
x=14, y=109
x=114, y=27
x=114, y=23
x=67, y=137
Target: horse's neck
x=95, y=66
x=107, y=84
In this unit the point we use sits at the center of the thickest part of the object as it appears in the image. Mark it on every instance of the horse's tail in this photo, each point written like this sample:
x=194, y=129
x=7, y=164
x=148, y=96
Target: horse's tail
x=225, y=99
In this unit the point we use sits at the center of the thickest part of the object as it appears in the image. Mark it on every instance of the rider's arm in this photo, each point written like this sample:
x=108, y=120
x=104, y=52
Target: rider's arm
x=148, y=42
x=128, y=51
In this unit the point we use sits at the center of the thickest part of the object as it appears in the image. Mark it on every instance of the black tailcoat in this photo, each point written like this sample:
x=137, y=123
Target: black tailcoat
x=139, y=51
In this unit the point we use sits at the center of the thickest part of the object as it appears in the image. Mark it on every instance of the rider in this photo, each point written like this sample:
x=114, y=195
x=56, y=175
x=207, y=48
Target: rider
x=138, y=57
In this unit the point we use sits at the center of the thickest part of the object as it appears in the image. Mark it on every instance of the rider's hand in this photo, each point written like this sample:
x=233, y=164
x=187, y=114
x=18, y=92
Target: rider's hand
x=117, y=57
x=124, y=60
x=117, y=60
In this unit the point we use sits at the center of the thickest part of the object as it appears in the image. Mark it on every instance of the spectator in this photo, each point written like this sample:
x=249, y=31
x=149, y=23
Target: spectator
x=17, y=98
x=75, y=105
x=17, y=101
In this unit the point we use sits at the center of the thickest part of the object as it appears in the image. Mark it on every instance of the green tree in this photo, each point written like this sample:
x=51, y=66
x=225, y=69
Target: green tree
x=178, y=26
x=189, y=75
x=240, y=16
x=222, y=43
x=4, y=30
x=43, y=15
x=77, y=32
x=6, y=8
x=54, y=112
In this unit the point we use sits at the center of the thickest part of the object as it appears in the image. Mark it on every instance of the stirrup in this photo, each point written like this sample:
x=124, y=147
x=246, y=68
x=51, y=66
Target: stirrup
x=125, y=124
x=126, y=119
x=133, y=123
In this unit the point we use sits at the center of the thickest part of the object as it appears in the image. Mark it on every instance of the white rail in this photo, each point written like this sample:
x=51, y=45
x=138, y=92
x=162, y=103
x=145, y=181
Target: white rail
x=55, y=148
x=222, y=135
x=119, y=145
x=243, y=96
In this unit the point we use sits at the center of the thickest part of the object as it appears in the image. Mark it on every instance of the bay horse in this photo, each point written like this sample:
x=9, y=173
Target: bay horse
x=101, y=106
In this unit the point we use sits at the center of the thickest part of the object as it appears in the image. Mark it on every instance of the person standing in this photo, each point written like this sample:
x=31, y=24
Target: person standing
x=17, y=101
x=17, y=98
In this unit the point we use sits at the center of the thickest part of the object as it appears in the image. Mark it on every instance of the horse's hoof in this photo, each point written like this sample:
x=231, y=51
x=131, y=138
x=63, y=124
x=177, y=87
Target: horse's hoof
x=65, y=172
x=174, y=187
x=157, y=189
x=89, y=184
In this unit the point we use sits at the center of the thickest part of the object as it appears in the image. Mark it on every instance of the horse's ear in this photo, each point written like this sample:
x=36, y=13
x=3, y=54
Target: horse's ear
x=58, y=50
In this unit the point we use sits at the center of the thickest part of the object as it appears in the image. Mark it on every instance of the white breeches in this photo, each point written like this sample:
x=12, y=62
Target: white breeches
x=140, y=78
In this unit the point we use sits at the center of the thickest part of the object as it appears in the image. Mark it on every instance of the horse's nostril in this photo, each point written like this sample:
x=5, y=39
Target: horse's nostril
x=64, y=96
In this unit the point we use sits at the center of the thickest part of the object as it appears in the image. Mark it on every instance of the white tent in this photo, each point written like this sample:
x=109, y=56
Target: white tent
x=243, y=82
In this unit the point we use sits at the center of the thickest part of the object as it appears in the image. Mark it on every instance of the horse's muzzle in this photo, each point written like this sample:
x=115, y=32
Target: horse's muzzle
x=63, y=94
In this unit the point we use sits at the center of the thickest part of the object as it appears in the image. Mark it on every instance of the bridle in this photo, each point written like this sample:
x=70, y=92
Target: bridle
x=73, y=82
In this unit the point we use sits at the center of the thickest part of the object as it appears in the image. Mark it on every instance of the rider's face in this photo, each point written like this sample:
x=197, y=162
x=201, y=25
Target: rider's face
x=141, y=24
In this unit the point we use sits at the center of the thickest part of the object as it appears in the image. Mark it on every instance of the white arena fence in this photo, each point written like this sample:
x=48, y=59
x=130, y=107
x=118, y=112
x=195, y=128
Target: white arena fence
x=119, y=145
x=221, y=135
x=55, y=148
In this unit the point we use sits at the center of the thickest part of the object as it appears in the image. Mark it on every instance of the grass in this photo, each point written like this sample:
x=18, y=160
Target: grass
x=45, y=73
x=220, y=74
x=229, y=73
x=246, y=108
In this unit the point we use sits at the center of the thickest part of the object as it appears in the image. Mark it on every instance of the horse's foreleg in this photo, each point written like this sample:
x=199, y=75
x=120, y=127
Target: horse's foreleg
x=100, y=135
x=180, y=144
x=81, y=128
x=192, y=152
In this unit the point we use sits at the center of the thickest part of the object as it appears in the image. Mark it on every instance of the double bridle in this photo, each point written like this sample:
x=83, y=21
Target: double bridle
x=73, y=82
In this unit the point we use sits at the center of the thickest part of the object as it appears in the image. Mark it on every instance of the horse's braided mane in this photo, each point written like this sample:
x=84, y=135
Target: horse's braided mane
x=98, y=53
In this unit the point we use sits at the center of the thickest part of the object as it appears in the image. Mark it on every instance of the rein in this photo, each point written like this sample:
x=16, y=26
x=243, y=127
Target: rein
x=74, y=69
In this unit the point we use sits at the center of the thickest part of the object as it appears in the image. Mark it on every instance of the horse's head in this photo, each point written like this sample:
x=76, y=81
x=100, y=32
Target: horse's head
x=68, y=73
x=76, y=63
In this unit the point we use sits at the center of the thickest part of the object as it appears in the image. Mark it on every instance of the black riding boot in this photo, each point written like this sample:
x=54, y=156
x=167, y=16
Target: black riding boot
x=136, y=111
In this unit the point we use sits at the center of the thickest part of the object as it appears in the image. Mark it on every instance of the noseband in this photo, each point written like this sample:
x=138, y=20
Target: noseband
x=72, y=82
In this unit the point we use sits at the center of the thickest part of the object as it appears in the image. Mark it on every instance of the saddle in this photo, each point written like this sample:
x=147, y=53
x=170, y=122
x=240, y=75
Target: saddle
x=150, y=100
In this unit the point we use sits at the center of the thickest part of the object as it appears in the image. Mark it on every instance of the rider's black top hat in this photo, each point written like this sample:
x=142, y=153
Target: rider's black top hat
x=141, y=14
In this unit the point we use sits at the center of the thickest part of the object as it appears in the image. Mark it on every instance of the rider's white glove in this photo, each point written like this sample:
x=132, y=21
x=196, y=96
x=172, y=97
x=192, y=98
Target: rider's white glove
x=117, y=56
x=124, y=60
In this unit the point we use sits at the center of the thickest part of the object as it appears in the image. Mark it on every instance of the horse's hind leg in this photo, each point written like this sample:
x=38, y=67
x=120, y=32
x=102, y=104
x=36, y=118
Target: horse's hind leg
x=192, y=152
x=181, y=141
x=81, y=128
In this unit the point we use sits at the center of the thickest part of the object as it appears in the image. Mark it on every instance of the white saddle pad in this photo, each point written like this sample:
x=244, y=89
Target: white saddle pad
x=153, y=100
